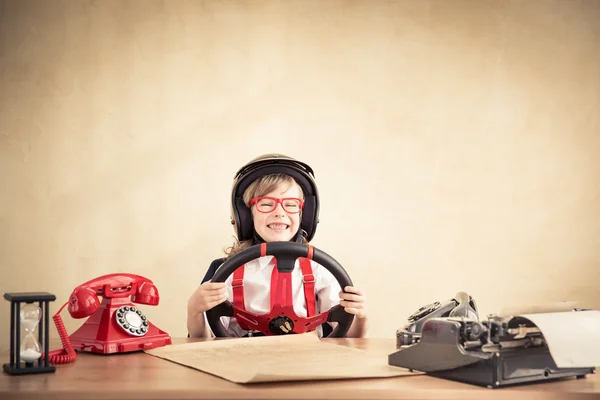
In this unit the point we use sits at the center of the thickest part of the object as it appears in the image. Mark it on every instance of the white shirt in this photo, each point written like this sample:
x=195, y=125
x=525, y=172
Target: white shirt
x=257, y=291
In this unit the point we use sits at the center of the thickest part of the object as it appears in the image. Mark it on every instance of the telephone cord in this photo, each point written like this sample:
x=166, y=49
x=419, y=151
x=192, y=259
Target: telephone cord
x=67, y=354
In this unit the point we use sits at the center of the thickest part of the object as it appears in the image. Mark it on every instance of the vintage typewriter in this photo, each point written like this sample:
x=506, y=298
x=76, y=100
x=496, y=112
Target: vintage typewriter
x=447, y=340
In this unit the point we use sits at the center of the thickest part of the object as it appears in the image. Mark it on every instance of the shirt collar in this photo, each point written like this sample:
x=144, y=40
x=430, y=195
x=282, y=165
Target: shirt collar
x=264, y=262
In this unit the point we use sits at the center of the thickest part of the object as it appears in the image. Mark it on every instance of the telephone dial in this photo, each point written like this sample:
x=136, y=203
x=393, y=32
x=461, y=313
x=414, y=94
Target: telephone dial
x=114, y=326
x=462, y=305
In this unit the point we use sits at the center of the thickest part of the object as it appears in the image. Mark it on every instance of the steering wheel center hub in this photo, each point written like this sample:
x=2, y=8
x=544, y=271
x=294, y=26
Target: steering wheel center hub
x=281, y=325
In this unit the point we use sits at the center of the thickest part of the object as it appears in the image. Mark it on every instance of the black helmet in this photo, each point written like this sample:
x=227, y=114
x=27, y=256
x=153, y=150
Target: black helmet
x=241, y=217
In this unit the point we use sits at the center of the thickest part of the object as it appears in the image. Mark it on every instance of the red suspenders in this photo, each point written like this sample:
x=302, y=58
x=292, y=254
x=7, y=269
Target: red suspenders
x=309, y=286
x=237, y=285
x=281, y=288
x=281, y=318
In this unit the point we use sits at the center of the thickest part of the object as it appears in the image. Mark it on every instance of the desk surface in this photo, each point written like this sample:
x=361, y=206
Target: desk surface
x=142, y=376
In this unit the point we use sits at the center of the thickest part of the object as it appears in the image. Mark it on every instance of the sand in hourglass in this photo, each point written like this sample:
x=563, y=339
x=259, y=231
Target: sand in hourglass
x=30, y=348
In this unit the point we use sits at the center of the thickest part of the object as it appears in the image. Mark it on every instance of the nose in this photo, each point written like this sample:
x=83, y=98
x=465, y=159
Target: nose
x=279, y=211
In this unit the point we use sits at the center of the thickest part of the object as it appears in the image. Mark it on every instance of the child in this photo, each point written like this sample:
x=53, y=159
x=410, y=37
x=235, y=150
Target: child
x=274, y=199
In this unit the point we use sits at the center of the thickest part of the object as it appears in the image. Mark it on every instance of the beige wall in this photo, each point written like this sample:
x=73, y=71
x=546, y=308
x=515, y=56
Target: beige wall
x=455, y=143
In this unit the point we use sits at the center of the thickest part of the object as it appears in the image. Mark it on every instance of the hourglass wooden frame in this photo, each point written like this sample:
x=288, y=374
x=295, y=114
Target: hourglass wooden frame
x=15, y=366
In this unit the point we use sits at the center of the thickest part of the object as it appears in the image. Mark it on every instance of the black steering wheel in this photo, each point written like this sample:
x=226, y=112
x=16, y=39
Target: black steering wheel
x=286, y=254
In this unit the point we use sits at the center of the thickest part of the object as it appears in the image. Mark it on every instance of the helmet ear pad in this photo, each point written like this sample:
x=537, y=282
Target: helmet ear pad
x=243, y=215
x=310, y=216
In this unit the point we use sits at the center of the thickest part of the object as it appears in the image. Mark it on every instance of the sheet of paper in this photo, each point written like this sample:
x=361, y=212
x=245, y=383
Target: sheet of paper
x=279, y=358
x=549, y=307
x=572, y=337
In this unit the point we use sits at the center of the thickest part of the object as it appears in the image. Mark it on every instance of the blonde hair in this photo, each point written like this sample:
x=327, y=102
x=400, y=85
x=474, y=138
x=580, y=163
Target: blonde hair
x=260, y=187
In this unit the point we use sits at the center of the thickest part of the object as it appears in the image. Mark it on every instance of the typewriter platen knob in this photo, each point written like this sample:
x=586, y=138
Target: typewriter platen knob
x=405, y=338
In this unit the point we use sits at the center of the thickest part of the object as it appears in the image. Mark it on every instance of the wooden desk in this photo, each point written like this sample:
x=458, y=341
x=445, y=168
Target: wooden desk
x=141, y=376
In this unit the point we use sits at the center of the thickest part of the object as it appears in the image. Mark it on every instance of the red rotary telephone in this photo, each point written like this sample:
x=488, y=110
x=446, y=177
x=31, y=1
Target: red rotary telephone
x=115, y=325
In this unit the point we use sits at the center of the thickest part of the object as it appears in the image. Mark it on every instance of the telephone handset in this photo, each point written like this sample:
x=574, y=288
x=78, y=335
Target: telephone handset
x=113, y=326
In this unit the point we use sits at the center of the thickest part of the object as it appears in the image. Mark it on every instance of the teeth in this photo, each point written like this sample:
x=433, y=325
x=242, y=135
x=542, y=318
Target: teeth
x=277, y=226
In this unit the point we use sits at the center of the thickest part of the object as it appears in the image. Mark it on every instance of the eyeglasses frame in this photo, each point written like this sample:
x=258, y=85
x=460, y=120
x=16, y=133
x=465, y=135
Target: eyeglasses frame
x=277, y=201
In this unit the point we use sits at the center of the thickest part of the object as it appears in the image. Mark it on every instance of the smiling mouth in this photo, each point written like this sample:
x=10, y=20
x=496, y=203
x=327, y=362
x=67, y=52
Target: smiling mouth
x=278, y=227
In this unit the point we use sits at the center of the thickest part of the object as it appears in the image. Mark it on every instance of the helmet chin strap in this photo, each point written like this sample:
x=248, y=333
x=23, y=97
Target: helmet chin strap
x=257, y=239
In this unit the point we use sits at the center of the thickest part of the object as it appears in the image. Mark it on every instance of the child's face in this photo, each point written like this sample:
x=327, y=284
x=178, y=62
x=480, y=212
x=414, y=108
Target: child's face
x=278, y=225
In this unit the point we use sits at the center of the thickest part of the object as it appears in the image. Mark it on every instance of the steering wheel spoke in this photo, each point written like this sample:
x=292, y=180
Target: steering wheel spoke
x=246, y=319
x=312, y=323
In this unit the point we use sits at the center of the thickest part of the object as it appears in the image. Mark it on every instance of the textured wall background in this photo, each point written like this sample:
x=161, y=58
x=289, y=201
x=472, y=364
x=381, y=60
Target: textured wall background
x=455, y=143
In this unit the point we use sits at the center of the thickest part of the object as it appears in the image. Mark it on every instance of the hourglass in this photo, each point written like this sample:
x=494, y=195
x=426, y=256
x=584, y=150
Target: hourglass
x=31, y=349
x=29, y=311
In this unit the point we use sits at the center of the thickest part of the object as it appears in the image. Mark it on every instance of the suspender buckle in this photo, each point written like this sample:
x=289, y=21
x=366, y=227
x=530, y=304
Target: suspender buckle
x=237, y=283
x=308, y=278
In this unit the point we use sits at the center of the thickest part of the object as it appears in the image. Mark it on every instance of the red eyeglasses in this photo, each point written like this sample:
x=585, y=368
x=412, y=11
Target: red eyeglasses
x=291, y=205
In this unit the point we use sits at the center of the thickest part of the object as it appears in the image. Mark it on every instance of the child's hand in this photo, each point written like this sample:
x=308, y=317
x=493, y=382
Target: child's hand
x=207, y=296
x=353, y=301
